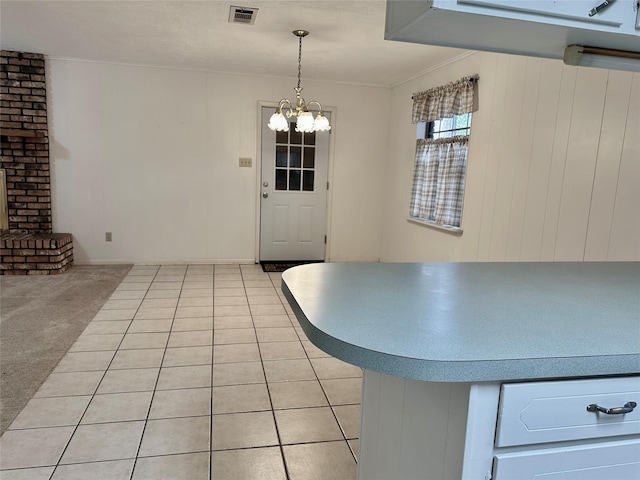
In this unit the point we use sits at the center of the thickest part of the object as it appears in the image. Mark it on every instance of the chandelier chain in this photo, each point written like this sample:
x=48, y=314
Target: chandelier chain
x=299, y=59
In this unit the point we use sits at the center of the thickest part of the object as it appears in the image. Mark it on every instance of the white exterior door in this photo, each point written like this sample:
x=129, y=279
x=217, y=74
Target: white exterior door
x=293, y=194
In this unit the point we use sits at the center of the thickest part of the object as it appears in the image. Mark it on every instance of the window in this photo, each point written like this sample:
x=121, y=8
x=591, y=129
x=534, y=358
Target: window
x=448, y=127
x=443, y=115
x=295, y=160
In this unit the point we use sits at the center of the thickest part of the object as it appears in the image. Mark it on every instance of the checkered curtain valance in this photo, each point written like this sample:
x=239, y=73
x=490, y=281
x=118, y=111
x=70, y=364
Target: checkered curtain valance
x=455, y=98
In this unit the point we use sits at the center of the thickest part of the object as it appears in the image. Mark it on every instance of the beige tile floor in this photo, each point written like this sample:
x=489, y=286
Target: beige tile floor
x=191, y=372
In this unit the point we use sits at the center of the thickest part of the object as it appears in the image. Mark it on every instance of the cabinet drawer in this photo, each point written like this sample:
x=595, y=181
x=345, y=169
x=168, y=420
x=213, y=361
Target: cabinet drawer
x=596, y=461
x=540, y=412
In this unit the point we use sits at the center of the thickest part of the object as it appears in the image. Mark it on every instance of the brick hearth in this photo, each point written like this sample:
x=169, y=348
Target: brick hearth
x=36, y=253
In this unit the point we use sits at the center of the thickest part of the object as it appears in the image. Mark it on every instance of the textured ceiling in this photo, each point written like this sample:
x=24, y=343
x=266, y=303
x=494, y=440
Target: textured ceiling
x=346, y=43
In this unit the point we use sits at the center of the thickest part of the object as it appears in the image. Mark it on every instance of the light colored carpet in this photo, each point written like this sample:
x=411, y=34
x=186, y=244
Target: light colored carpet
x=40, y=318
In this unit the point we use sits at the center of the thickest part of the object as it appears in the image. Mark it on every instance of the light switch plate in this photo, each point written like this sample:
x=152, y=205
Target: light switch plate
x=245, y=162
x=107, y=236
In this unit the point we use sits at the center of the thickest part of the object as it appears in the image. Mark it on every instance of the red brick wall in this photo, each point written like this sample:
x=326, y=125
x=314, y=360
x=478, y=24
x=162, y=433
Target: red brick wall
x=24, y=141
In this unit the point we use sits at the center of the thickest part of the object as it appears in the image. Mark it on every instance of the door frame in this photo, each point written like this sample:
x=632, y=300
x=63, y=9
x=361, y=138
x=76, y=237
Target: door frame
x=258, y=183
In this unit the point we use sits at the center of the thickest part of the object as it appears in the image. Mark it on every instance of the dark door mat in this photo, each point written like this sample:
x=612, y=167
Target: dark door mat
x=271, y=267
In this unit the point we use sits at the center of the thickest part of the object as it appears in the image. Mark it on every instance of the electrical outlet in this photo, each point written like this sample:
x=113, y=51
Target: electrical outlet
x=107, y=236
x=245, y=162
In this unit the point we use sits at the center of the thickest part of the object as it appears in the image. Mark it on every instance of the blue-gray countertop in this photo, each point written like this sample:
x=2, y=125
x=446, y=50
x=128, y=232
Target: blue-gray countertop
x=473, y=322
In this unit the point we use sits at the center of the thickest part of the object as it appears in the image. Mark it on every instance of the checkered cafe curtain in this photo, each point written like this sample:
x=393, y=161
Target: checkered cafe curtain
x=444, y=160
x=440, y=164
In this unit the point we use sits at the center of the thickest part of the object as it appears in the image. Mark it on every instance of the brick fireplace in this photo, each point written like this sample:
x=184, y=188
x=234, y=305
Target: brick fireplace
x=28, y=246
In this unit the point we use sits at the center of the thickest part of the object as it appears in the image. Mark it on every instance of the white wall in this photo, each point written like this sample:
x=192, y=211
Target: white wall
x=553, y=168
x=151, y=155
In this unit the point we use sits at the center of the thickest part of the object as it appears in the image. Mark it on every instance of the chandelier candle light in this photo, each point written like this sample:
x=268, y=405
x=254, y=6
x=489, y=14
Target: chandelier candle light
x=305, y=121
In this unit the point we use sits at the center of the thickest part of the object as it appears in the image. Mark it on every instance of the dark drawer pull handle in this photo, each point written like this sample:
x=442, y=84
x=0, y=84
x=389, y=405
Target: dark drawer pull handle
x=628, y=408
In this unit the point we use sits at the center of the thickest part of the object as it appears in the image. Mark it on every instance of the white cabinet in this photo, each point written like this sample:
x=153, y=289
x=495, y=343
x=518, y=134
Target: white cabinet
x=617, y=16
x=558, y=436
x=541, y=28
x=609, y=461
x=539, y=412
x=479, y=431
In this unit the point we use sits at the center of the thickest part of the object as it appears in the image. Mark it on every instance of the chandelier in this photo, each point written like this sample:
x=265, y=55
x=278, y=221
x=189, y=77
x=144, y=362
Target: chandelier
x=304, y=121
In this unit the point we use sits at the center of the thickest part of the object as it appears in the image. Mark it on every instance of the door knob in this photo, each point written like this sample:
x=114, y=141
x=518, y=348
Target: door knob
x=265, y=194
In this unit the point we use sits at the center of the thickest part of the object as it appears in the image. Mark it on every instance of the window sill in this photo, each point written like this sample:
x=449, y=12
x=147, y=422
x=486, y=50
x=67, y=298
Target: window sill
x=452, y=230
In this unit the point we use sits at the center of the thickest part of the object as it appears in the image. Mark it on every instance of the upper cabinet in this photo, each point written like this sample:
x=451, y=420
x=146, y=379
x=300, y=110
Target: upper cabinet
x=542, y=28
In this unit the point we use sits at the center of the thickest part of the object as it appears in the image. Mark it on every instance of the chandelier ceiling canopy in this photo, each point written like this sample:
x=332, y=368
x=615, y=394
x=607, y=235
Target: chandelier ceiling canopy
x=305, y=122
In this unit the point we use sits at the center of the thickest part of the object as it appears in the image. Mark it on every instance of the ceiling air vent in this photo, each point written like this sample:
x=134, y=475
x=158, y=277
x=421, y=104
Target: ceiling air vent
x=244, y=15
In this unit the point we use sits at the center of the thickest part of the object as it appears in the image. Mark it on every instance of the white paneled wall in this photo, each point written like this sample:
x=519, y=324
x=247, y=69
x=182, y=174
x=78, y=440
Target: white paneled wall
x=151, y=155
x=554, y=166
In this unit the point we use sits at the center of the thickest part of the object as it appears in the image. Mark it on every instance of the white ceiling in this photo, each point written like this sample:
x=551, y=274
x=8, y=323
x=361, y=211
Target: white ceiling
x=346, y=43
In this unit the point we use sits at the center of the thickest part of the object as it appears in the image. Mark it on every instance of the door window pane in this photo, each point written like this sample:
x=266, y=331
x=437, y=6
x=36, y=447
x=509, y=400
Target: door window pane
x=281, y=156
x=294, y=179
x=309, y=157
x=307, y=180
x=282, y=137
x=295, y=137
x=281, y=179
x=295, y=154
x=310, y=138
